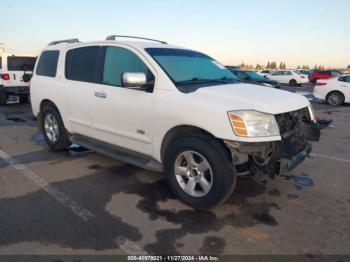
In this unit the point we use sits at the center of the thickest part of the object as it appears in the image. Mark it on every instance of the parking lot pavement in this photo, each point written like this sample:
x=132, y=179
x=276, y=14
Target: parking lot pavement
x=80, y=202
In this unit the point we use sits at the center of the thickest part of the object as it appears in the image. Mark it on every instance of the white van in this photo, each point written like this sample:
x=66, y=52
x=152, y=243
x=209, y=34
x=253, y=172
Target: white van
x=15, y=73
x=168, y=108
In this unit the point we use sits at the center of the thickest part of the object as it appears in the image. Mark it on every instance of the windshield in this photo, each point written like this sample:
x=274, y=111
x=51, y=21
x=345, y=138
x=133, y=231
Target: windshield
x=186, y=67
x=254, y=75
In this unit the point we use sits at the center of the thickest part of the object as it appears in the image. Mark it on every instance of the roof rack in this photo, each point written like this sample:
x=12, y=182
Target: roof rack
x=114, y=37
x=68, y=41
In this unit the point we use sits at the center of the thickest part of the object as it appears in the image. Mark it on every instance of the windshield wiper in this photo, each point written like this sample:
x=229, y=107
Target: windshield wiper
x=223, y=80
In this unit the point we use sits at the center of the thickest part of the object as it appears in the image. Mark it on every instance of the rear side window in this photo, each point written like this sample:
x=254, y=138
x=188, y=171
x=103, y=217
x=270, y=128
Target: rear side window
x=81, y=64
x=47, y=65
x=20, y=63
x=118, y=61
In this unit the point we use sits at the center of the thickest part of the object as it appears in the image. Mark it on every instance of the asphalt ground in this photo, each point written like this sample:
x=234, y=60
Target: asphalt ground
x=79, y=202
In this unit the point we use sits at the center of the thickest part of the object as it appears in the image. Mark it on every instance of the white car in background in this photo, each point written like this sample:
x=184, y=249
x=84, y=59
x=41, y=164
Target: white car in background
x=266, y=72
x=336, y=90
x=289, y=77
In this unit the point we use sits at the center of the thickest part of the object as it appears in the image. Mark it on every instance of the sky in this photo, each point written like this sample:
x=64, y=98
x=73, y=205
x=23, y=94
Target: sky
x=298, y=32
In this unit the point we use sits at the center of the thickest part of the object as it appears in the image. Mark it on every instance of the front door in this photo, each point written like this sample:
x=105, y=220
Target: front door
x=123, y=116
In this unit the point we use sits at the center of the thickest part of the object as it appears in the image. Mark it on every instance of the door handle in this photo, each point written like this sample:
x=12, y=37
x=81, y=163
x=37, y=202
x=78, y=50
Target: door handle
x=101, y=95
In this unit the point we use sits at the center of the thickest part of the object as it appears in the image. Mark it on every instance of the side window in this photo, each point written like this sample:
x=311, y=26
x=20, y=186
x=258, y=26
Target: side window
x=120, y=60
x=47, y=65
x=335, y=73
x=81, y=64
x=277, y=73
x=287, y=73
x=348, y=79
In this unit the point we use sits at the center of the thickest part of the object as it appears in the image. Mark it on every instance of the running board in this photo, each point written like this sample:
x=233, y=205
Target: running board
x=115, y=152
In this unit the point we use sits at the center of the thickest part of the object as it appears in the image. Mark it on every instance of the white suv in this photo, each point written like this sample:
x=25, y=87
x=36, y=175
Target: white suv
x=15, y=73
x=166, y=108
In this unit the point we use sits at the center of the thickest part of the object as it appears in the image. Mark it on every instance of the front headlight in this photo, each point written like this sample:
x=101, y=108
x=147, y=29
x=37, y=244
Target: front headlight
x=251, y=123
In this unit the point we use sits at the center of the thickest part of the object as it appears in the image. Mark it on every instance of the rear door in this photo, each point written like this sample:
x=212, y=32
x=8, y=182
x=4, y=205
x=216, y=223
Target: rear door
x=80, y=79
x=123, y=116
x=17, y=66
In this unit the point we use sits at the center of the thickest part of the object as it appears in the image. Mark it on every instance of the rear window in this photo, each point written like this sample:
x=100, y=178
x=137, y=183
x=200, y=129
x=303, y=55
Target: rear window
x=47, y=65
x=20, y=63
x=81, y=64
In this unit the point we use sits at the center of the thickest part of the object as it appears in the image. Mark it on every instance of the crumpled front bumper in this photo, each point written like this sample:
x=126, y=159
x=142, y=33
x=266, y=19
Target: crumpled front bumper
x=284, y=155
x=289, y=162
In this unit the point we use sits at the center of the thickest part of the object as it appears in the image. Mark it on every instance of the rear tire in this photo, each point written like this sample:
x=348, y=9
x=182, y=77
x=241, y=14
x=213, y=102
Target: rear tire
x=3, y=98
x=53, y=129
x=293, y=82
x=335, y=98
x=197, y=183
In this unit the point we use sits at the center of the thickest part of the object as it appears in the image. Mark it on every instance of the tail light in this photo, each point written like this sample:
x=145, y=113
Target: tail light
x=5, y=77
x=321, y=84
x=302, y=76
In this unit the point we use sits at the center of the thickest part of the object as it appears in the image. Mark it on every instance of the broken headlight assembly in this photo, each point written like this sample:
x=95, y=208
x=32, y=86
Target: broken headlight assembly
x=250, y=123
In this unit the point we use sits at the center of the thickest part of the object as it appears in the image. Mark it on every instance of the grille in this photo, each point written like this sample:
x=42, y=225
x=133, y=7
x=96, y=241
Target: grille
x=294, y=131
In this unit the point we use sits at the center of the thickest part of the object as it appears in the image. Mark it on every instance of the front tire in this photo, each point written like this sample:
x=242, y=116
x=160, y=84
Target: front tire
x=199, y=171
x=53, y=129
x=335, y=98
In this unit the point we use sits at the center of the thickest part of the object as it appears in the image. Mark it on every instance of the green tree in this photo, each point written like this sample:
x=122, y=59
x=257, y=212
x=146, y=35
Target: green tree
x=268, y=65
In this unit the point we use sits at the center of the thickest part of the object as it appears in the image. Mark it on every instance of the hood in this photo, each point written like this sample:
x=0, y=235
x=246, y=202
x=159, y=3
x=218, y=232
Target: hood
x=251, y=97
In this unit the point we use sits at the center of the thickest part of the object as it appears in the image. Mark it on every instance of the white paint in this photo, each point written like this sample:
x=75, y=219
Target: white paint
x=67, y=202
x=331, y=158
x=340, y=84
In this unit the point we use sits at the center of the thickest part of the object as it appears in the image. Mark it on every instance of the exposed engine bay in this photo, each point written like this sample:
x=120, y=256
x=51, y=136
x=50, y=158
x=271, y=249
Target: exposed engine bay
x=274, y=158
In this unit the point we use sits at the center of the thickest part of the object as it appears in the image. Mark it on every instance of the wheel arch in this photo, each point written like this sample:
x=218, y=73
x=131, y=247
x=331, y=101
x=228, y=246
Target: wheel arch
x=186, y=130
x=336, y=91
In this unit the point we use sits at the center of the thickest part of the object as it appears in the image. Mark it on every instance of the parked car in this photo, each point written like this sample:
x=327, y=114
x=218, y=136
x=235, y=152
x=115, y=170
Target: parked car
x=323, y=74
x=336, y=91
x=266, y=72
x=15, y=74
x=166, y=108
x=289, y=77
x=254, y=78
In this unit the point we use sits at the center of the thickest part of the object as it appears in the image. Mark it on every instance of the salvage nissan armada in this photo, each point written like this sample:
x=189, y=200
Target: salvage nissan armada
x=168, y=109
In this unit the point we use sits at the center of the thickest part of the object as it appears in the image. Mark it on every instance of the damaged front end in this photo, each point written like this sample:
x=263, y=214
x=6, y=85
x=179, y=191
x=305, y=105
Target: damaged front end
x=297, y=130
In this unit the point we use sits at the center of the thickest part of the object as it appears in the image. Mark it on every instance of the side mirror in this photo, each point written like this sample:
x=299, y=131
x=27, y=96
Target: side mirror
x=134, y=80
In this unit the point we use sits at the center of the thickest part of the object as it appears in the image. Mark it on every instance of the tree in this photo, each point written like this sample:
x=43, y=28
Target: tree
x=273, y=65
x=268, y=65
x=348, y=66
x=298, y=67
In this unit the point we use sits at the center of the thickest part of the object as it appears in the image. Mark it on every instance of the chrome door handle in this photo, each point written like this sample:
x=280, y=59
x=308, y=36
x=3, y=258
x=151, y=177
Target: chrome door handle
x=101, y=95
